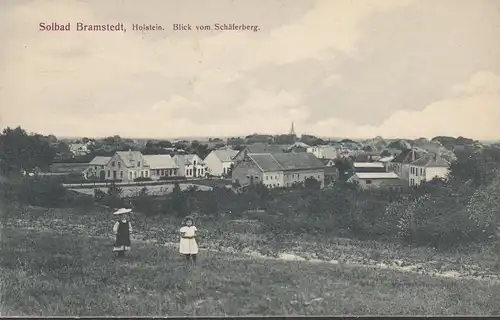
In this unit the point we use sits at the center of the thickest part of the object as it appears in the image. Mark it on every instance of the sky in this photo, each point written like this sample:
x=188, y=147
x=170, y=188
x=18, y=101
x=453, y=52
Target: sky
x=340, y=68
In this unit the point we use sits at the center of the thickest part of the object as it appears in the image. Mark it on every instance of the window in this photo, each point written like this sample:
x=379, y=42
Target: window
x=96, y=167
x=130, y=175
x=421, y=171
x=102, y=167
x=267, y=178
x=194, y=162
x=112, y=163
x=119, y=164
x=146, y=174
x=109, y=173
x=121, y=174
x=138, y=163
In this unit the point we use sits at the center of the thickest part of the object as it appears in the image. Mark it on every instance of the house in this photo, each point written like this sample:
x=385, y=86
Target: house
x=323, y=152
x=278, y=169
x=427, y=168
x=161, y=166
x=258, y=148
x=401, y=163
x=127, y=166
x=386, y=161
x=298, y=147
x=331, y=171
x=79, y=149
x=96, y=168
x=369, y=167
x=219, y=162
x=190, y=166
x=367, y=156
x=389, y=180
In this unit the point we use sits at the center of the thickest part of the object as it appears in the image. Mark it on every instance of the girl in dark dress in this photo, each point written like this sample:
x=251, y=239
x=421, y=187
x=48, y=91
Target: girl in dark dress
x=122, y=229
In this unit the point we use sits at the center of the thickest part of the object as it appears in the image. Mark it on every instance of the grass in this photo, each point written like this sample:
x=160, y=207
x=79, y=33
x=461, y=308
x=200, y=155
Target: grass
x=50, y=274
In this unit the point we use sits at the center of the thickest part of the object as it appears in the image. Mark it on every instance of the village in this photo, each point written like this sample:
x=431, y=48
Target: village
x=273, y=165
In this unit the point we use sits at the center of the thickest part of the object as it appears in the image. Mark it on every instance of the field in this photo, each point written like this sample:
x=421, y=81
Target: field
x=59, y=263
x=153, y=190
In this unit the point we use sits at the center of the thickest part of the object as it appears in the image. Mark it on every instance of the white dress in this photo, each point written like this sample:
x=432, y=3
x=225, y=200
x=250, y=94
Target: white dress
x=188, y=246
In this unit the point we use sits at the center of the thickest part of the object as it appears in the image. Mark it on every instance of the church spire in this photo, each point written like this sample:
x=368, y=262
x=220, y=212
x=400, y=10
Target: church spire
x=292, y=130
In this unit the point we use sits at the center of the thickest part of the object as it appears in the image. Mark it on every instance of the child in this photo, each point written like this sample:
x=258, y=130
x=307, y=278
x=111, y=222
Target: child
x=188, y=246
x=122, y=229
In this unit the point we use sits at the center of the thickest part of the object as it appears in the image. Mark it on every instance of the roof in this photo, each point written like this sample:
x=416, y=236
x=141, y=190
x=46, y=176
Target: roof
x=302, y=160
x=225, y=155
x=160, y=161
x=266, y=162
x=431, y=161
x=130, y=158
x=386, y=159
x=263, y=148
x=376, y=175
x=185, y=159
x=407, y=156
x=368, y=165
x=285, y=161
x=99, y=161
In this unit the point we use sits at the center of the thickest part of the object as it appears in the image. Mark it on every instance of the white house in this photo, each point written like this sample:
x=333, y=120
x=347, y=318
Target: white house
x=161, y=166
x=388, y=180
x=323, y=152
x=190, y=165
x=96, y=168
x=427, y=168
x=79, y=149
x=127, y=166
x=219, y=162
x=401, y=163
x=369, y=167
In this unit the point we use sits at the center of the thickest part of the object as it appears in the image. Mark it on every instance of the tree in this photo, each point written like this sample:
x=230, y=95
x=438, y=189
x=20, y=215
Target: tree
x=312, y=184
x=22, y=152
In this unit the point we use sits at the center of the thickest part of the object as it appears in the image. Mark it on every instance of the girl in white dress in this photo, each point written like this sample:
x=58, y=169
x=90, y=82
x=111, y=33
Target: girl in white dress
x=188, y=246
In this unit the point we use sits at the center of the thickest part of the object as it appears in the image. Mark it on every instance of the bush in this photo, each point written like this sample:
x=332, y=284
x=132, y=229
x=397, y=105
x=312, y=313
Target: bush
x=171, y=178
x=140, y=179
x=41, y=192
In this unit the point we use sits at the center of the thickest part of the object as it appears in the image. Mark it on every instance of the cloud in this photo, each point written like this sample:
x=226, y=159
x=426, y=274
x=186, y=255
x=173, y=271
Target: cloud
x=333, y=67
x=472, y=110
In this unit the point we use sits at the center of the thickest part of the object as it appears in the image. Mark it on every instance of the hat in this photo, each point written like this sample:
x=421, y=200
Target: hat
x=122, y=211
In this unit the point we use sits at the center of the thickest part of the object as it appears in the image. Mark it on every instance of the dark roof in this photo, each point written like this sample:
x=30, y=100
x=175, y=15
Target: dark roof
x=407, y=156
x=286, y=161
x=265, y=162
x=431, y=161
x=264, y=148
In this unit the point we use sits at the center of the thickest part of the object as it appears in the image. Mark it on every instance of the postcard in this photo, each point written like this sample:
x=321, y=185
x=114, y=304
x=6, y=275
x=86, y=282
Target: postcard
x=231, y=158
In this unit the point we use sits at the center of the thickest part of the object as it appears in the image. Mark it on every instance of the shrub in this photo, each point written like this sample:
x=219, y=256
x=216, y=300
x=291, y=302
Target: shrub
x=41, y=192
x=140, y=179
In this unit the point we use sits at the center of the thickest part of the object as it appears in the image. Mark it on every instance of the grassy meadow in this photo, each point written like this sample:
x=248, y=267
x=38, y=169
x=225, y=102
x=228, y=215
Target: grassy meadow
x=58, y=262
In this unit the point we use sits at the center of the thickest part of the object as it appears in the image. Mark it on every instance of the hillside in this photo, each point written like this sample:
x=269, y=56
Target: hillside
x=67, y=258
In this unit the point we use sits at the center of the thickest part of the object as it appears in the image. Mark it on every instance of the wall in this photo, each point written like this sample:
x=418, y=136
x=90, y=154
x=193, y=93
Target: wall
x=156, y=174
x=273, y=179
x=292, y=176
x=375, y=183
x=122, y=172
x=226, y=166
x=244, y=170
x=214, y=165
x=422, y=174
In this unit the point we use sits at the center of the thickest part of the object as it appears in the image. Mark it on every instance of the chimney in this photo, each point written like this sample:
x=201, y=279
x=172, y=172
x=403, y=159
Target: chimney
x=130, y=155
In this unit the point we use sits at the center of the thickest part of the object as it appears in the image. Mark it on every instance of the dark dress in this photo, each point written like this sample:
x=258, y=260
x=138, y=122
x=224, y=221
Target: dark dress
x=122, y=237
